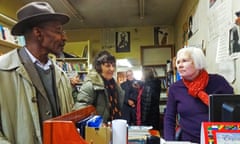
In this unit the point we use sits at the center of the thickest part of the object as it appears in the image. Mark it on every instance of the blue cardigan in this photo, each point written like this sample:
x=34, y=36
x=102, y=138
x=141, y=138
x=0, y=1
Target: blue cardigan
x=192, y=111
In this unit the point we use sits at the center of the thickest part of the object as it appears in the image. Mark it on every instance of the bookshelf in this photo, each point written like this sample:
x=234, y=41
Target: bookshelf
x=157, y=57
x=6, y=46
x=8, y=41
x=73, y=66
x=78, y=63
x=160, y=73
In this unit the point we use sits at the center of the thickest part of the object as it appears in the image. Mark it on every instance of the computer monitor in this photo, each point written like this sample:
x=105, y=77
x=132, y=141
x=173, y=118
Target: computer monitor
x=224, y=108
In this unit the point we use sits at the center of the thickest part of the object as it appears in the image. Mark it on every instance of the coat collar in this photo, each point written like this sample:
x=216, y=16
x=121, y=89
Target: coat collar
x=11, y=60
x=95, y=78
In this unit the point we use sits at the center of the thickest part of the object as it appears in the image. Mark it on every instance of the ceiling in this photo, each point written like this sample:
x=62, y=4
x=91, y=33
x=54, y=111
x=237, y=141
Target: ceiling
x=116, y=13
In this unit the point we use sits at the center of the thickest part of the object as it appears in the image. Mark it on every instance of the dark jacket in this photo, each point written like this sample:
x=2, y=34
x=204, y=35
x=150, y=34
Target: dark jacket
x=131, y=93
x=150, y=103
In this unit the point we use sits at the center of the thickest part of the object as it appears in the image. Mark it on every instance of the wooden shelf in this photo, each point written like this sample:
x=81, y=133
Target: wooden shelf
x=156, y=65
x=71, y=59
x=78, y=64
x=8, y=44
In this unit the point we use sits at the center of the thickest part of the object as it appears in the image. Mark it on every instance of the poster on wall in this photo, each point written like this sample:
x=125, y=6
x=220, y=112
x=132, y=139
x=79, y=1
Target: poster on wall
x=234, y=42
x=122, y=41
x=160, y=36
x=193, y=24
x=190, y=25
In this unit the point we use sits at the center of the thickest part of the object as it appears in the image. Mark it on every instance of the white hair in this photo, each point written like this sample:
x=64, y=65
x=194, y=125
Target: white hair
x=196, y=55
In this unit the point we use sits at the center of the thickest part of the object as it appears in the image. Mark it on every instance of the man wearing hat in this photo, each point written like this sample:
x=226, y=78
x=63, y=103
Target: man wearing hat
x=35, y=89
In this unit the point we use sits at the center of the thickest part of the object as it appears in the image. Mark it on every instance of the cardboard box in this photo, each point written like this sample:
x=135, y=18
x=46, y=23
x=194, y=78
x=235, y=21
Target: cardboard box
x=98, y=135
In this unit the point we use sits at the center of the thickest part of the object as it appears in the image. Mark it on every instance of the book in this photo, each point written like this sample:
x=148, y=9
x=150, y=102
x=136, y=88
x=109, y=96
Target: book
x=85, y=52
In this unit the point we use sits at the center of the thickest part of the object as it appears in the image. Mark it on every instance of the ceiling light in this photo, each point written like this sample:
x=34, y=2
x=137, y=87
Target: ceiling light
x=141, y=9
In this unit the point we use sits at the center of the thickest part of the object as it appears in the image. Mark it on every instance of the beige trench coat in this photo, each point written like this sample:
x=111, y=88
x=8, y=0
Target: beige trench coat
x=19, y=114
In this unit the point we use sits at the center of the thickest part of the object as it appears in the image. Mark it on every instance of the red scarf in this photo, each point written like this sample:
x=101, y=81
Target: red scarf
x=138, y=112
x=197, y=86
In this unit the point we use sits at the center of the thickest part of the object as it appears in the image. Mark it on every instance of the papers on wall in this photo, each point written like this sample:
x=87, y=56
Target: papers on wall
x=220, y=21
x=220, y=18
x=227, y=70
x=220, y=24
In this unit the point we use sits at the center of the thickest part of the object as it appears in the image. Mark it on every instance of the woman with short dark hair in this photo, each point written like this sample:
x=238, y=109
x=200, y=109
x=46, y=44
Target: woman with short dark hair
x=101, y=90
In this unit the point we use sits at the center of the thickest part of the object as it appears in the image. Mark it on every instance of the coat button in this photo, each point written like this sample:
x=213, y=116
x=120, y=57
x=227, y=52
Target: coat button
x=34, y=99
x=48, y=113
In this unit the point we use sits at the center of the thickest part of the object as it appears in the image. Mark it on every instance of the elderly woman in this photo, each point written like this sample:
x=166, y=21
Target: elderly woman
x=101, y=90
x=188, y=97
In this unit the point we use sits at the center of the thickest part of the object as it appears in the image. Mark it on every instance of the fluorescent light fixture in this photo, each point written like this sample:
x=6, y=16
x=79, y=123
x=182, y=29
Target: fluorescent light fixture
x=123, y=63
x=141, y=9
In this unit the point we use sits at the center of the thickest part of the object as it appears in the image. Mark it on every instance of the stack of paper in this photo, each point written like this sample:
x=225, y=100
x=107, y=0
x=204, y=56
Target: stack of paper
x=138, y=132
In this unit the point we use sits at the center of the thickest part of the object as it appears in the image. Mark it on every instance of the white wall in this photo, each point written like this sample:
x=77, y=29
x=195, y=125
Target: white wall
x=201, y=7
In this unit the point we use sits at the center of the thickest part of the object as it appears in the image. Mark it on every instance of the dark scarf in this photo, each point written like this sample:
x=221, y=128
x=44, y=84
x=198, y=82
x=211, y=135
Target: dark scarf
x=196, y=88
x=110, y=86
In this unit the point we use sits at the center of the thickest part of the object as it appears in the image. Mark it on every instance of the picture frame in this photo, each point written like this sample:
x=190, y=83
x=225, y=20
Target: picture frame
x=123, y=41
x=156, y=55
x=190, y=26
x=234, y=42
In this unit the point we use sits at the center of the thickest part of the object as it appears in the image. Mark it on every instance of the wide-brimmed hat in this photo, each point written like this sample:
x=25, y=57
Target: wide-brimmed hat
x=33, y=13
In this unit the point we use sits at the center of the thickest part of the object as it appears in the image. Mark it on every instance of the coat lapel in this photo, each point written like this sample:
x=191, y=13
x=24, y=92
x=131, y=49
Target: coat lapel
x=33, y=74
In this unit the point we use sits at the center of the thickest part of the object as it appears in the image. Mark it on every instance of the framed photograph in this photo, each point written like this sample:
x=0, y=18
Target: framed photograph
x=234, y=43
x=122, y=41
x=190, y=26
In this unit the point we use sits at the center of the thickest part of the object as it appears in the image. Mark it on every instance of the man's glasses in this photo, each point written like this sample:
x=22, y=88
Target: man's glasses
x=58, y=31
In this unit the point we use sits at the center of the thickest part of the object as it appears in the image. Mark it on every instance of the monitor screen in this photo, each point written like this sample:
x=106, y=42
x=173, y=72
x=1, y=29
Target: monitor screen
x=224, y=108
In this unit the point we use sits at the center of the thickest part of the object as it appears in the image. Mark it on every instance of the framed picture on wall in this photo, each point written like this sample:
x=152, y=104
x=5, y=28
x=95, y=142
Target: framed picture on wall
x=190, y=25
x=122, y=41
x=234, y=45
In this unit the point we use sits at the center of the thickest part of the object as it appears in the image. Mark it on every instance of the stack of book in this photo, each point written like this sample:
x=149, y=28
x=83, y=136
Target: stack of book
x=138, y=134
